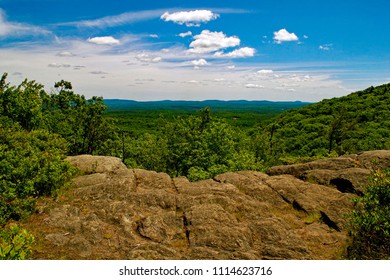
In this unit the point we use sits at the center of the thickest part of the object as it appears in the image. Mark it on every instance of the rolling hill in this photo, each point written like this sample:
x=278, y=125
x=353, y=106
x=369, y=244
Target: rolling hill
x=357, y=122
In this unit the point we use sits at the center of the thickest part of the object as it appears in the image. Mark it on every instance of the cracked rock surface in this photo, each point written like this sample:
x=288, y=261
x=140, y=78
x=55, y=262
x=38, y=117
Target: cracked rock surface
x=112, y=212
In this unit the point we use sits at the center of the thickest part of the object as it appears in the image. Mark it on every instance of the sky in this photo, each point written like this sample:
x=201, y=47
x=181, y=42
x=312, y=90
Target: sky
x=198, y=50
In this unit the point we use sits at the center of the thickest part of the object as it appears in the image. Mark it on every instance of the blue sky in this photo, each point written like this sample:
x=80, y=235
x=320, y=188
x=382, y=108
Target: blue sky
x=198, y=50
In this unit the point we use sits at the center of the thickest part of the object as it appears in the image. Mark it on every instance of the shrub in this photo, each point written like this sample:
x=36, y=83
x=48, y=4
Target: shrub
x=15, y=243
x=370, y=221
x=31, y=165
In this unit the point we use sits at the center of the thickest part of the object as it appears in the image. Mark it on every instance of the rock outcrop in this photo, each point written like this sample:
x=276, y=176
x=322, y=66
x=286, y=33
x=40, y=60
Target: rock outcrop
x=112, y=212
x=349, y=174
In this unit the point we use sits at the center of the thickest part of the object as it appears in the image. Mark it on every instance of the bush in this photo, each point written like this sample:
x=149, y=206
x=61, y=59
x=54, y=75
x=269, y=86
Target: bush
x=15, y=243
x=31, y=165
x=370, y=221
x=196, y=173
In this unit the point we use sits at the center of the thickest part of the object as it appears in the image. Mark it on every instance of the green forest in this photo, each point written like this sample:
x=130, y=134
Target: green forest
x=38, y=129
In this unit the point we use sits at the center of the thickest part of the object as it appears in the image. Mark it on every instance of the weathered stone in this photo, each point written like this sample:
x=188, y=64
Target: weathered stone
x=117, y=213
x=88, y=164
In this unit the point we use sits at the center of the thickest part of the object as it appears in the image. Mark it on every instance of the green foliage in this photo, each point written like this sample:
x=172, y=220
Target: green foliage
x=349, y=124
x=197, y=146
x=370, y=222
x=31, y=165
x=138, y=118
x=15, y=243
x=37, y=131
x=23, y=103
x=148, y=151
x=78, y=120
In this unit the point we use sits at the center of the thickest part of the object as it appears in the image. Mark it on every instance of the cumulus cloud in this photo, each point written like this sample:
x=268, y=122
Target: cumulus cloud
x=284, y=36
x=239, y=53
x=263, y=75
x=105, y=40
x=265, y=72
x=190, y=18
x=185, y=34
x=65, y=54
x=147, y=58
x=253, y=86
x=208, y=42
x=199, y=62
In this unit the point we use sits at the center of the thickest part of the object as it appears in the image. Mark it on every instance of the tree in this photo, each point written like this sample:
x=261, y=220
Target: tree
x=79, y=120
x=23, y=103
x=201, y=146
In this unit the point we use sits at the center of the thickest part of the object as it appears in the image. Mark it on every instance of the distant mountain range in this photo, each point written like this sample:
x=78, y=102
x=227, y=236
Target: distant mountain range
x=234, y=105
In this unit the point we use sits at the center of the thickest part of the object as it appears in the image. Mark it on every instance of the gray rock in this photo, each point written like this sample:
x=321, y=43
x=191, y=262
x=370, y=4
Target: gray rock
x=294, y=212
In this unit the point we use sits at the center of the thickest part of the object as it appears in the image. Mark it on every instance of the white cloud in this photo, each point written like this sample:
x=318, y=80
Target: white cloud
x=263, y=75
x=253, y=86
x=190, y=18
x=105, y=40
x=194, y=82
x=18, y=29
x=284, y=36
x=153, y=36
x=185, y=34
x=265, y=72
x=239, y=53
x=326, y=47
x=208, y=42
x=305, y=36
x=147, y=58
x=200, y=62
x=116, y=20
x=65, y=54
x=230, y=67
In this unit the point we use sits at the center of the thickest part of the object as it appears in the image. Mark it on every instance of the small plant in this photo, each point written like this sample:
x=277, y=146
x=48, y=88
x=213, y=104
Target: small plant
x=15, y=243
x=370, y=221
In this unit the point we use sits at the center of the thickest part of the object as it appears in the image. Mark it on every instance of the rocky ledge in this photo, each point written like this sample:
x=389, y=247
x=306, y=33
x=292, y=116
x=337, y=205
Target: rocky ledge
x=293, y=212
